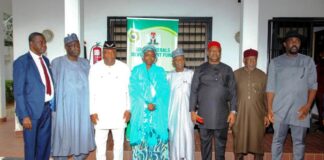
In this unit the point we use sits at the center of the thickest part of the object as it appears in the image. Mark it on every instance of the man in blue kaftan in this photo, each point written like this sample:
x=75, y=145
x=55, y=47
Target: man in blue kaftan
x=72, y=130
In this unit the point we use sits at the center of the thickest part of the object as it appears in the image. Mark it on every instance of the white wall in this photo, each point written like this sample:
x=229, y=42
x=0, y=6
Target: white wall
x=5, y=6
x=283, y=8
x=249, y=27
x=225, y=13
x=36, y=16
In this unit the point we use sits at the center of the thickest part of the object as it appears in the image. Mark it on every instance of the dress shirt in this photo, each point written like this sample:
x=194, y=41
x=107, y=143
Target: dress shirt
x=42, y=75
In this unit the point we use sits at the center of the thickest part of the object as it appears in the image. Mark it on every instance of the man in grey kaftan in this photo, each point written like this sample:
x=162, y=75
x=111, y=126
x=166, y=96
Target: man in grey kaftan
x=291, y=89
x=72, y=130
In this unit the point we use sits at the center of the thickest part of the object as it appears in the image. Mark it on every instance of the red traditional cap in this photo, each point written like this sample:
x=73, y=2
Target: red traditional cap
x=250, y=52
x=214, y=43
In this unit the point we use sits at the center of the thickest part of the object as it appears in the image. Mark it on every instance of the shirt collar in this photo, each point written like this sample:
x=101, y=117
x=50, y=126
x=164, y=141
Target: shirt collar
x=34, y=55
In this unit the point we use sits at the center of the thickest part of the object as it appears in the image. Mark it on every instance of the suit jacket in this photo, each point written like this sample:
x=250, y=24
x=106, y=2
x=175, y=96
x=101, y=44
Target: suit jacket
x=212, y=90
x=29, y=90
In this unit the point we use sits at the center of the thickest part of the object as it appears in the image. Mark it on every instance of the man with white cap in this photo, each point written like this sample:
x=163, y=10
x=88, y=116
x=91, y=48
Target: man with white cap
x=72, y=132
x=109, y=101
x=181, y=128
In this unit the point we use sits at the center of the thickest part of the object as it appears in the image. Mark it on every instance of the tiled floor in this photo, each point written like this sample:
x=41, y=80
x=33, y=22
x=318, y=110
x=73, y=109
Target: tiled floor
x=11, y=145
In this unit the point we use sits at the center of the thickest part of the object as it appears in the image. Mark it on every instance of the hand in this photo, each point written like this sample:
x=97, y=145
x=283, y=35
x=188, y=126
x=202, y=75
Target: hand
x=94, y=118
x=303, y=112
x=27, y=124
x=271, y=117
x=151, y=107
x=231, y=119
x=194, y=117
x=127, y=116
x=266, y=121
x=70, y=157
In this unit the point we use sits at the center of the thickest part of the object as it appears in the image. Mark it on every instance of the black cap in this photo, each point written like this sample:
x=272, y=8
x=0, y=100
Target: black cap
x=293, y=33
x=109, y=45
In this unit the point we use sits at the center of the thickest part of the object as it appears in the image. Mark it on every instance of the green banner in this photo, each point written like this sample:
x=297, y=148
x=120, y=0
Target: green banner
x=162, y=33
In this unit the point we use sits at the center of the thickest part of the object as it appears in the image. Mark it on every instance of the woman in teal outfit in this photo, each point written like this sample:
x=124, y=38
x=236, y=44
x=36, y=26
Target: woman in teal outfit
x=149, y=92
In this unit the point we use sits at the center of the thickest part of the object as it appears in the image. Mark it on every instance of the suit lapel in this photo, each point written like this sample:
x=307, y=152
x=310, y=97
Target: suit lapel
x=34, y=67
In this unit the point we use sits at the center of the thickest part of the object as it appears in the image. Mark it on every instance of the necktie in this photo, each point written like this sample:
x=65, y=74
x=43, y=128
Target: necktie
x=48, y=83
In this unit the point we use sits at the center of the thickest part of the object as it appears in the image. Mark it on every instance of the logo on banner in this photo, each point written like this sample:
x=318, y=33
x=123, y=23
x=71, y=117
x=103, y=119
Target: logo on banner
x=153, y=40
x=134, y=36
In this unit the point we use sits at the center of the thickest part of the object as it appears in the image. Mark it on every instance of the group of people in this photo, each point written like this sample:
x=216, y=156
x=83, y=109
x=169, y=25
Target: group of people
x=52, y=101
x=67, y=108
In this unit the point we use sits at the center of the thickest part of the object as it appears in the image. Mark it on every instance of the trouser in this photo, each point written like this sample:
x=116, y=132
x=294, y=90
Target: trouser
x=38, y=139
x=220, y=136
x=298, y=135
x=101, y=137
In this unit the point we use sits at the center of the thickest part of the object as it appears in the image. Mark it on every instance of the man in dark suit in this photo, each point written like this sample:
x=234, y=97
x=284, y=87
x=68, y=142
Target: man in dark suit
x=212, y=87
x=33, y=91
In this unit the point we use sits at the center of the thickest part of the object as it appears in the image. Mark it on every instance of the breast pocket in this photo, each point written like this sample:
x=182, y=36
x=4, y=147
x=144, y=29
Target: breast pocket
x=302, y=72
x=257, y=87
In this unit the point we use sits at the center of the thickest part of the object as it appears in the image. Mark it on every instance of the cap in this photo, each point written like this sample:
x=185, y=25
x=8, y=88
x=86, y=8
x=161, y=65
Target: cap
x=214, y=43
x=293, y=33
x=149, y=48
x=250, y=52
x=177, y=52
x=70, y=38
x=109, y=45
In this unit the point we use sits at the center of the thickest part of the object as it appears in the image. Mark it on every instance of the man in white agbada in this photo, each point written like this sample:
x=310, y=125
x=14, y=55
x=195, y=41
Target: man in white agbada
x=109, y=101
x=181, y=128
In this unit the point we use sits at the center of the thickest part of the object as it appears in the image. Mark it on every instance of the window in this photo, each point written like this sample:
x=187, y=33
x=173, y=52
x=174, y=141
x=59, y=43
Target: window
x=194, y=34
x=278, y=27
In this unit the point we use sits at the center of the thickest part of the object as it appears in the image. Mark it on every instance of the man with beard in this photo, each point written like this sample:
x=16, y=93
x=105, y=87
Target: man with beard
x=73, y=134
x=291, y=89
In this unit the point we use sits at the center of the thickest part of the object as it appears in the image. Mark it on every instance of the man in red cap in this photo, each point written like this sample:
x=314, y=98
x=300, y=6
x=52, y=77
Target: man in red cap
x=212, y=88
x=249, y=128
